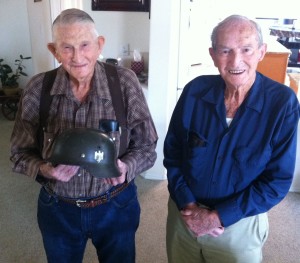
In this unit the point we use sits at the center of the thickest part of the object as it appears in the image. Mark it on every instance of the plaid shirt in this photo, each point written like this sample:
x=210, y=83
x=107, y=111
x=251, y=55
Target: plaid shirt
x=67, y=112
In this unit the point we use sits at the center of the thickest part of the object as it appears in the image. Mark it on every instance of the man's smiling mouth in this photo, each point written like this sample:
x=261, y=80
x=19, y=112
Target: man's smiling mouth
x=236, y=71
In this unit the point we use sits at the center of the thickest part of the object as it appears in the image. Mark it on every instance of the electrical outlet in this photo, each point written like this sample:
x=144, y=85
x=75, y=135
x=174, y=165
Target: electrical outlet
x=125, y=50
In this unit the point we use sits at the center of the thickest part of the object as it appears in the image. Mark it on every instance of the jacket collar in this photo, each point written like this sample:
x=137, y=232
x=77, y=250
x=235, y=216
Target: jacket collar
x=255, y=99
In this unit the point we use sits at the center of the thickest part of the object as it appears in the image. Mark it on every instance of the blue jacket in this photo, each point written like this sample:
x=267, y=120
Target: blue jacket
x=240, y=170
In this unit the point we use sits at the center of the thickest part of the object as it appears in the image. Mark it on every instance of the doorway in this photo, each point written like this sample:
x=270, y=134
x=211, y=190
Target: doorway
x=194, y=40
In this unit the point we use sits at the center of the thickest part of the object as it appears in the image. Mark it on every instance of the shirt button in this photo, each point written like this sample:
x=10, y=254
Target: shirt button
x=49, y=140
x=79, y=174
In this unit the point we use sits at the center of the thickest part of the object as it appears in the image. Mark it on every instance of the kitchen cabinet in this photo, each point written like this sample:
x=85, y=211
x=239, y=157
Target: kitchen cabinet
x=274, y=64
x=121, y=5
x=294, y=81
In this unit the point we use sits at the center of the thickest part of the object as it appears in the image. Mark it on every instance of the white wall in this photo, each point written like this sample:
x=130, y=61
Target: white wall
x=163, y=71
x=15, y=39
x=296, y=181
x=256, y=8
x=39, y=18
x=121, y=28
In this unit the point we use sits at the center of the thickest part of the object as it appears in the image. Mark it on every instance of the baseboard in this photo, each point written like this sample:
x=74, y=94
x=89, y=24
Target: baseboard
x=152, y=176
x=294, y=189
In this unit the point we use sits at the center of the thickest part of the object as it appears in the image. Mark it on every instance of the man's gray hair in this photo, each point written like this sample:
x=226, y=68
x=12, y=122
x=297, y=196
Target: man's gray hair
x=236, y=19
x=71, y=16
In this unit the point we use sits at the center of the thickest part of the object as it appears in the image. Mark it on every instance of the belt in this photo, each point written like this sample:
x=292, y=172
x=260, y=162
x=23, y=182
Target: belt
x=90, y=203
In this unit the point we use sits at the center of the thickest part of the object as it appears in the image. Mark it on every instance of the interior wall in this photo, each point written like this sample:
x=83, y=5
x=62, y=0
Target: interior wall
x=121, y=29
x=15, y=38
x=163, y=71
x=39, y=17
x=266, y=8
x=296, y=181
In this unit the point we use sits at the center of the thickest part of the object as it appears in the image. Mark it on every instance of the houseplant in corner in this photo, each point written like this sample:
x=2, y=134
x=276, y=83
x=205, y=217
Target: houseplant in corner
x=9, y=78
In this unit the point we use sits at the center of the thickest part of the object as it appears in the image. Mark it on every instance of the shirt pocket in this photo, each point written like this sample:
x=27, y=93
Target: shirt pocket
x=247, y=156
x=195, y=154
x=249, y=163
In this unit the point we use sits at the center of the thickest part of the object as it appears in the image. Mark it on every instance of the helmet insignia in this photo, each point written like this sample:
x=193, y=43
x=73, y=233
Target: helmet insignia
x=99, y=156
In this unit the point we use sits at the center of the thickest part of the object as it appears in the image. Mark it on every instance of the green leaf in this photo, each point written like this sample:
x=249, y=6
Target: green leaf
x=23, y=73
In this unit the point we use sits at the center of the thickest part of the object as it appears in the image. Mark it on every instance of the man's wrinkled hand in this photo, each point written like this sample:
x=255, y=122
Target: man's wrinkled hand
x=123, y=169
x=61, y=172
x=216, y=231
x=202, y=221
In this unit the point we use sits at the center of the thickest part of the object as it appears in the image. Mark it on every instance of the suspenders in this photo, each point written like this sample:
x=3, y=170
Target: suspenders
x=117, y=101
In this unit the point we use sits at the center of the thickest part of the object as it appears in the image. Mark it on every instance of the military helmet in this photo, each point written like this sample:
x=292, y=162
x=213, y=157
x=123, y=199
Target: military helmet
x=89, y=148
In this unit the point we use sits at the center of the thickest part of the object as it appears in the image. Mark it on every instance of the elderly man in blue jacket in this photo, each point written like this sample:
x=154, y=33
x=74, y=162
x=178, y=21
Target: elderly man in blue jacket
x=229, y=153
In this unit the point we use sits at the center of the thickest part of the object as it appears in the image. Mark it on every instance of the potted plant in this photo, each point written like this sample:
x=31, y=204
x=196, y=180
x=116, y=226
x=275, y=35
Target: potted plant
x=9, y=78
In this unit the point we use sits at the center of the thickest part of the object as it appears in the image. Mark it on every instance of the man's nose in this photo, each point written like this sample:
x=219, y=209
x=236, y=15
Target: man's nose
x=76, y=55
x=236, y=58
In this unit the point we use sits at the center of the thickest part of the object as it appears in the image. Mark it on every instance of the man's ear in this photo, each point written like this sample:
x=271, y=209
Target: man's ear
x=263, y=51
x=212, y=54
x=51, y=47
x=101, y=42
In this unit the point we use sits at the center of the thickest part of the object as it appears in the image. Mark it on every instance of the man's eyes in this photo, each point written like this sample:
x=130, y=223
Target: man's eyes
x=66, y=48
x=84, y=46
x=223, y=51
x=248, y=50
x=226, y=52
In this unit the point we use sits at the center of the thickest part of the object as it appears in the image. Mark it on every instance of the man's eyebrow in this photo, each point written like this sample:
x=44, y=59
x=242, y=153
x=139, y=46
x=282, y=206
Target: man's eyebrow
x=222, y=46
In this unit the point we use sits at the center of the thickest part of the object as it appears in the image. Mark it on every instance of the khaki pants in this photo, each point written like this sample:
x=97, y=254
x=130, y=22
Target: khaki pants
x=241, y=242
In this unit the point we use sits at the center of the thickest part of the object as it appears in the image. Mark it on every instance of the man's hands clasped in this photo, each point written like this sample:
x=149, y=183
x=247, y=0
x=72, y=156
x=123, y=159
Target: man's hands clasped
x=202, y=221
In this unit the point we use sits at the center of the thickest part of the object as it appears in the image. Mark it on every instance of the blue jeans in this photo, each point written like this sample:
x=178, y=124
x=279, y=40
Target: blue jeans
x=111, y=227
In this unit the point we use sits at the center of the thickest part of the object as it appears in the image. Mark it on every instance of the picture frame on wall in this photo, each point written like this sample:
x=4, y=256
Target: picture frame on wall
x=121, y=5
